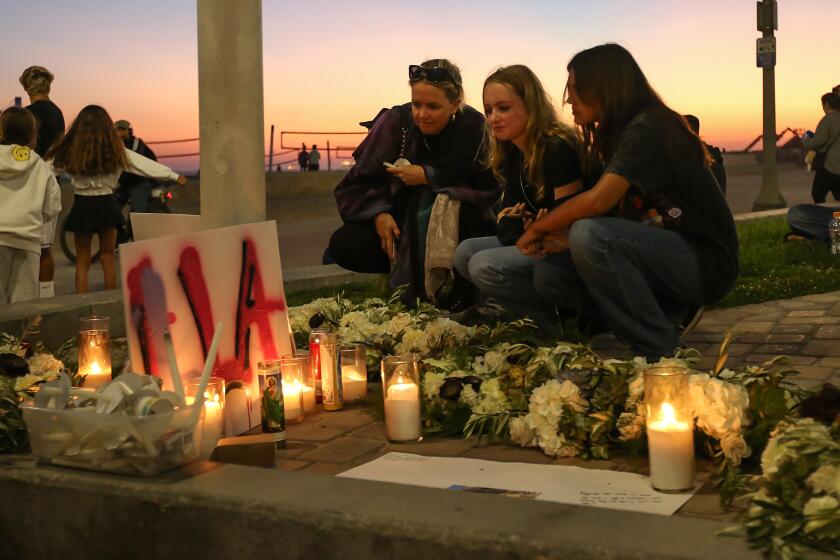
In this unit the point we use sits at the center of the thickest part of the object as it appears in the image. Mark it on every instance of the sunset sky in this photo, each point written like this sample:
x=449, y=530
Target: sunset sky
x=329, y=64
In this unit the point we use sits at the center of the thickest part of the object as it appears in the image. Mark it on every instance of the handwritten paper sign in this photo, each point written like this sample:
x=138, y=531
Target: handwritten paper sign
x=188, y=283
x=553, y=483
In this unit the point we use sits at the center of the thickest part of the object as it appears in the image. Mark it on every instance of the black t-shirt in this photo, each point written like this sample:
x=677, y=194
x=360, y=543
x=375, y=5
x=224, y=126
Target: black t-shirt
x=50, y=124
x=561, y=166
x=678, y=195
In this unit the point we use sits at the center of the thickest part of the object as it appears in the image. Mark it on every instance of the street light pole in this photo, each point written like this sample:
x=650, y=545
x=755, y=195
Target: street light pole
x=769, y=196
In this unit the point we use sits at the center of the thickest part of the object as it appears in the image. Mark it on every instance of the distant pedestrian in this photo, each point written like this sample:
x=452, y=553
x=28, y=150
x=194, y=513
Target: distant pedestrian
x=36, y=81
x=826, y=143
x=303, y=158
x=30, y=196
x=94, y=157
x=314, y=158
x=718, y=170
x=137, y=187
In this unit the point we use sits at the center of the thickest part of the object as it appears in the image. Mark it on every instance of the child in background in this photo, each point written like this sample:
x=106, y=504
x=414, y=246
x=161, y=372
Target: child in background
x=93, y=156
x=30, y=197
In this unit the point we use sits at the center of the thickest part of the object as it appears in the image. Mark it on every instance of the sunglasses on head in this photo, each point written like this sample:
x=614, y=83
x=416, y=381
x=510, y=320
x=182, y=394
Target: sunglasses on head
x=435, y=74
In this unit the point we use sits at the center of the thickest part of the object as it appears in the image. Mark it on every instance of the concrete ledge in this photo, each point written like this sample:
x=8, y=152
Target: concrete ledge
x=311, y=277
x=229, y=511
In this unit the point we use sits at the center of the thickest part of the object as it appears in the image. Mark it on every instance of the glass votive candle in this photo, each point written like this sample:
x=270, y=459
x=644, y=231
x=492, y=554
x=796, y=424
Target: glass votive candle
x=272, y=404
x=315, y=337
x=308, y=384
x=328, y=347
x=293, y=389
x=401, y=391
x=94, y=345
x=354, y=373
x=670, y=428
x=213, y=415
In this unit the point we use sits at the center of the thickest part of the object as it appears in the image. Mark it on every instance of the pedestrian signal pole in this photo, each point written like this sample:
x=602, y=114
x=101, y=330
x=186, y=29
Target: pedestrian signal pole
x=768, y=22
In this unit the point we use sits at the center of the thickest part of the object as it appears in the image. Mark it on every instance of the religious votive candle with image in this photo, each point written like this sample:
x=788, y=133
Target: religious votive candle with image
x=272, y=406
x=331, y=390
x=401, y=391
x=670, y=428
x=94, y=346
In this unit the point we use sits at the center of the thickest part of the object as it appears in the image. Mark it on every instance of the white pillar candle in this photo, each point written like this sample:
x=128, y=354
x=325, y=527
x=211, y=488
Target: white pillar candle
x=292, y=405
x=354, y=383
x=402, y=412
x=213, y=427
x=95, y=375
x=671, y=450
x=308, y=398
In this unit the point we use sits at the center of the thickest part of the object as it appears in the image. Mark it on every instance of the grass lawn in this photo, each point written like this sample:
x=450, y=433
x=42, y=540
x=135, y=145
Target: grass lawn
x=770, y=269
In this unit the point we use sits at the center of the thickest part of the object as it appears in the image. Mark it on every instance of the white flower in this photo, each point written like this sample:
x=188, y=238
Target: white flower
x=468, y=396
x=565, y=393
x=734, y=448
x=521, y=433
x=821, y=505
x=630, y=425
x=492, y=400
x=398, y=324
x=432, y=382
x=719, y=407
x=772, y=457
x=826, y=479
x=45, y=365
x=636, y=387
x=414, y=341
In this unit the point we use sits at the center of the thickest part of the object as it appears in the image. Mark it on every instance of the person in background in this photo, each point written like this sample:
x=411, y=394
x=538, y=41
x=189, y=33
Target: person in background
x=421, y=155
x=654, y=240
x=93, y=156
x=303, y=158
x=537, y=159
x=30, y=197
x=718, y=169
x=314, y=158
x=37, y=81
x=138, y=187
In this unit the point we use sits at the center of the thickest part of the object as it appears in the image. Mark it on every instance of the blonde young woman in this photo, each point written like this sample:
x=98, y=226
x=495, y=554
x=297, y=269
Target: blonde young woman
x=536, y=158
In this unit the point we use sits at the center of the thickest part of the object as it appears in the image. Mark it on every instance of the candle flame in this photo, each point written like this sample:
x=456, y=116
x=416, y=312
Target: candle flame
x=666, y=420
x=95, y=368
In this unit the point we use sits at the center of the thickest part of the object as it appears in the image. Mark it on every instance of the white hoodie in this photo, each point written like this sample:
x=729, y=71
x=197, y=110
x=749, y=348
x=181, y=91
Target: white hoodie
x=29, y=197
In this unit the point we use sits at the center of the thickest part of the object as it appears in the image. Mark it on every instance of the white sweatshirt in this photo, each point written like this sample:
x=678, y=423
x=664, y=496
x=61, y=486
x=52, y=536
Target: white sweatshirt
x=97, y=185
x=29, y=197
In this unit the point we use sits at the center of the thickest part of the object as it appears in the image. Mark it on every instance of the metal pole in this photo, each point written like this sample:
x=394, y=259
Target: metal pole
x=769, y=196
x=329, y=157
x=271, y=150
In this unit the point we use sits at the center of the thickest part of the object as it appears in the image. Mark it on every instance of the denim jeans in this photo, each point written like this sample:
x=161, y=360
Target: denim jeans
x=632, y=274
x=505, y=277
x=139, y=196
x=810, y=220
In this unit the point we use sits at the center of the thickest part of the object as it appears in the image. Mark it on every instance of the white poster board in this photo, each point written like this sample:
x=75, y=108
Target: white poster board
x=552, y=483
x=189, y=283
x=151, y=226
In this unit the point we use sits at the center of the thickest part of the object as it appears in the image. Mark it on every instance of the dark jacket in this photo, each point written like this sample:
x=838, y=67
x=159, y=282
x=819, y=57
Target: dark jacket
x=128, y=180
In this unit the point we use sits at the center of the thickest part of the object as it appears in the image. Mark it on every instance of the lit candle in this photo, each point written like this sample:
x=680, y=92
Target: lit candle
x=293, y=400
x=308, y=398
x=354, y=373
x=94, y=351
x=295, y=370
x=670, y=430
x=212, y=421
x=402, y=399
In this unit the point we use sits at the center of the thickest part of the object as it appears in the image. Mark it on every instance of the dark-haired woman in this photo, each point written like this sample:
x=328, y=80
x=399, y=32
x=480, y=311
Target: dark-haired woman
x=93, y=156
x=421, y=163
x=654, y=237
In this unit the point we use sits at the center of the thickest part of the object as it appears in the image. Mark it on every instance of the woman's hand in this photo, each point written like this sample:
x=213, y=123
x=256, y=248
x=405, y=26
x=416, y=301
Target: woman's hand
x=530, y=218
x=554, y=242
x=528, y=244
x=388, y=232
x=181, y=180
x=515, y=210
x=410, y=175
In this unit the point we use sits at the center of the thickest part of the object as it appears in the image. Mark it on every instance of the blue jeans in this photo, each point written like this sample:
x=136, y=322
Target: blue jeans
x=810, y=220
x=635, y=276
x=504, y=276
x=139, y=196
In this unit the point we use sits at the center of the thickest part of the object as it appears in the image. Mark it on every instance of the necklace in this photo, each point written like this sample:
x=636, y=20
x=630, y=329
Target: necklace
x=522, y=183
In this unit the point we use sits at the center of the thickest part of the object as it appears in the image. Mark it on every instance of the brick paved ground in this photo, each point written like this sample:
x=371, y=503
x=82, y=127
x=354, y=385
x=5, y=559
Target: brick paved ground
x=807, y=329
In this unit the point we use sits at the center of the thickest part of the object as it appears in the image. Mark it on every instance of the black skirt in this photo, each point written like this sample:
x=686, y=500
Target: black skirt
x=92, y=214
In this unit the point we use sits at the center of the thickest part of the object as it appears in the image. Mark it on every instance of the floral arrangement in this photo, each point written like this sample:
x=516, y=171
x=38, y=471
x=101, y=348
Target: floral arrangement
x=504, y=382
x=23, y=368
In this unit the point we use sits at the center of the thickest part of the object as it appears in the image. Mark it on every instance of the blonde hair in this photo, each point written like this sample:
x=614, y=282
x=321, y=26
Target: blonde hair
x=453, y=89
x=36, y=80
x=543, y=122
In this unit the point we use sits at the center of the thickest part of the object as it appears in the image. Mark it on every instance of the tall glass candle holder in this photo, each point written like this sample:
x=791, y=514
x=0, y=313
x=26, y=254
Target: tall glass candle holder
x=670, y=428
x=293, y=388
x=272, y=405
x=354, y=373
x=401, y=390
x=94, y=351
x=330, y=368
x=315, y=337
x=308, y=384
x=213, y=415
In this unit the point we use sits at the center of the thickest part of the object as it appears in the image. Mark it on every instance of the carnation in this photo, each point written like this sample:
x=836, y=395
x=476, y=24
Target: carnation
x=720, y=408
x=522, y=434
x=398, y=324
x=734, y=448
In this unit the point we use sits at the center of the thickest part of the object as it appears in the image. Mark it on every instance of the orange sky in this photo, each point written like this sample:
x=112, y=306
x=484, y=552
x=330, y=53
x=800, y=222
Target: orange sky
x=330, y=65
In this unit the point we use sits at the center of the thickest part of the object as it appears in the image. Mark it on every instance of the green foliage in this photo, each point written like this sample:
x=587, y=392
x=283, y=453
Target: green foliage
x=772, y=269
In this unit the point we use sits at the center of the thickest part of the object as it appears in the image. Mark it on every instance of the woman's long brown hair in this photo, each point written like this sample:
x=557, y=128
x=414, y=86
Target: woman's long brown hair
x=608, y=78
x=90, y=146
x=542, y=123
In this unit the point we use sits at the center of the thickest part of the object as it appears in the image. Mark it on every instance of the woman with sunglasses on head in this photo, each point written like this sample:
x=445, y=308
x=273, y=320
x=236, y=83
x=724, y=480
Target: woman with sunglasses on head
x=414, y=155
x=537, y=159
x=654, y=237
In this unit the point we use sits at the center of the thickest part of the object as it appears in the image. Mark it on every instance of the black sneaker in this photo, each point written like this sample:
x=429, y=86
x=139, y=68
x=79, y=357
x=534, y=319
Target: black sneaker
x=479, y=314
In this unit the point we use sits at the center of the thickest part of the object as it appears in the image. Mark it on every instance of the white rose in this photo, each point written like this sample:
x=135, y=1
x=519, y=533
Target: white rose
x=432, y=382
x=821, y=505
x=734, y=448
x=826, y=479
x=398, y=324
x=45, y=365
x=520, y=433
x=468, y=396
